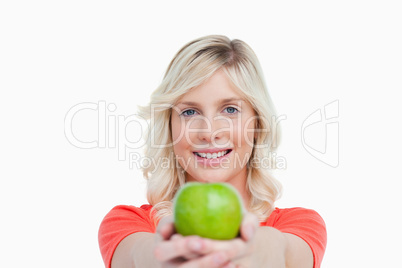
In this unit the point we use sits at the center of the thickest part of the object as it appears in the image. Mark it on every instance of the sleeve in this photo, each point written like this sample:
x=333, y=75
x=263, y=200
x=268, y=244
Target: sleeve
x=120, y=222
x=308, y=225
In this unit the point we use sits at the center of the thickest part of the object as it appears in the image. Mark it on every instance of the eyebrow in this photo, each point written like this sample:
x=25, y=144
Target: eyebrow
x=223, y=101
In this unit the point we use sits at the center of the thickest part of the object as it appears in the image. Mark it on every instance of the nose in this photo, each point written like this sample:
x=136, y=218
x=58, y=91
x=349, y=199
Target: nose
x=213, y=129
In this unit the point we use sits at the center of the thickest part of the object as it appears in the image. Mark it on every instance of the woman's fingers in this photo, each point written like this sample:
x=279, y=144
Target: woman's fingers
x=194, y=251
x=190, y=254
x=248, y=226
x=231, y=248
x=178, y=246
x=166, y=227
x=217, y=259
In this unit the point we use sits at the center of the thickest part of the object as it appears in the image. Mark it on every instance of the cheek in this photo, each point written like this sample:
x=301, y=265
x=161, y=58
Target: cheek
x=246, y=134
x=179, y=139
x=179, y=133
x=176, y=129
x=179, y=147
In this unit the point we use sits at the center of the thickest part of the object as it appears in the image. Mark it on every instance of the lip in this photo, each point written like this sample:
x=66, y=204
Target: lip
x=212, y=162
x=212, y=150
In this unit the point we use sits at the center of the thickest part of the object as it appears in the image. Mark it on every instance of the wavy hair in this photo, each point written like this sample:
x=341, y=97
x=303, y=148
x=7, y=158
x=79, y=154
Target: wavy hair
x=191, y=66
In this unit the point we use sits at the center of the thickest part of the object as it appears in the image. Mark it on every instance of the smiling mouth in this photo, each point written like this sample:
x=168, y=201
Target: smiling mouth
x=213, y=155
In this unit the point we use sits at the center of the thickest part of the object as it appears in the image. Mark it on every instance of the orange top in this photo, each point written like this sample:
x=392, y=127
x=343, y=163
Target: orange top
x=123, y=220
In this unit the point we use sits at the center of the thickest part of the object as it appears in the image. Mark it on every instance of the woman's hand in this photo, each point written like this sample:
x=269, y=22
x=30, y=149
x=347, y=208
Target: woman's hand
x=174, y=250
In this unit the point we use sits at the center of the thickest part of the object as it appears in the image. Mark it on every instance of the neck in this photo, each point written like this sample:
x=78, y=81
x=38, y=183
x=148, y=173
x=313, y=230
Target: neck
x=241, y=187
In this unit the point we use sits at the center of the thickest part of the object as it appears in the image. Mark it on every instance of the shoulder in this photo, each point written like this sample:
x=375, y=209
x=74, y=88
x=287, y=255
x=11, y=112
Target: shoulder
x=304, y=223
x=143, y=210
x=124, y=218
x=126, y=215
x=297, y=220
x=120, y=222
x=281, y=215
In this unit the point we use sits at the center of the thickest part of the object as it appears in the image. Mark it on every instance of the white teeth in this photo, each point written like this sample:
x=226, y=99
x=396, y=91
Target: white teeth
x=213, y=155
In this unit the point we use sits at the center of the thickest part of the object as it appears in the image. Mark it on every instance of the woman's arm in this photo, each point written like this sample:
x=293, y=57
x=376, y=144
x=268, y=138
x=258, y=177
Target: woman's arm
x=298, y=252
x=136, y=250
x=141, y=250
x=258, y=247
x=276, y=249
x=264, y=247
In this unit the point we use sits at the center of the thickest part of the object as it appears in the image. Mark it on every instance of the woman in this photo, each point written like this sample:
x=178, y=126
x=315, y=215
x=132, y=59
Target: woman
x=212, y=120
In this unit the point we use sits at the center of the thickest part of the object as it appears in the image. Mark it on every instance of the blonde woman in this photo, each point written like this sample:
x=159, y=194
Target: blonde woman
x=212, y=120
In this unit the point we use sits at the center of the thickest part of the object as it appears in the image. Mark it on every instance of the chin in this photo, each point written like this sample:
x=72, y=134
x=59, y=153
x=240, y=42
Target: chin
x=210, y=177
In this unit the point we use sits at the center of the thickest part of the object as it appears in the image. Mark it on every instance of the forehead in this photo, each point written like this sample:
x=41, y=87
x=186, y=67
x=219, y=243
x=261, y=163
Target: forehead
x=217, y=87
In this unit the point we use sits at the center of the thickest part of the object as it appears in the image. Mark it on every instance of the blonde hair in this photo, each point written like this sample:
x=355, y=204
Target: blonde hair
x=191, y=66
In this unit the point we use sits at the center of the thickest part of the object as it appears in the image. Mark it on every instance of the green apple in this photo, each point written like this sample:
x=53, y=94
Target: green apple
x=211, y=210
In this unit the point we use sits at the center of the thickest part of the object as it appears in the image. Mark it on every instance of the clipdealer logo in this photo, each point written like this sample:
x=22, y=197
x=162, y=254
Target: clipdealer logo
x=112, y=129
x=320, y=134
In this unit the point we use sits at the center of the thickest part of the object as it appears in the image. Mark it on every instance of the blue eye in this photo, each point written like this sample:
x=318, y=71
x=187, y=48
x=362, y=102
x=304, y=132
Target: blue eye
x=231, y=110
x=189, y=112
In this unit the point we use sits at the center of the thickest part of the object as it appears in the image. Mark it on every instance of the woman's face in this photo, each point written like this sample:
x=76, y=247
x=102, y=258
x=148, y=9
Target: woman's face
x=213, y=132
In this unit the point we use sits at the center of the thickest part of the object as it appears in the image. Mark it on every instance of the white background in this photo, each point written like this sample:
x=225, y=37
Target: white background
x=57, y=54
